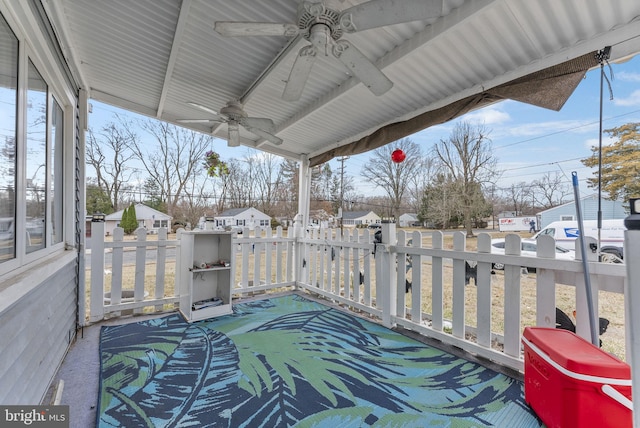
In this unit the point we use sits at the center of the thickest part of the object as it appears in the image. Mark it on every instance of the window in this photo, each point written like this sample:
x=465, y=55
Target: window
x=8, y=137
x=56, y=176
x=548, y=231
x=31, y=162
x=160, y=223
x=36, y=165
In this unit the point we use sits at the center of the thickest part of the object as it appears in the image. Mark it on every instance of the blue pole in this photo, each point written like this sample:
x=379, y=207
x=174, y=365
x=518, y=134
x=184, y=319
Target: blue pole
x=585, y=264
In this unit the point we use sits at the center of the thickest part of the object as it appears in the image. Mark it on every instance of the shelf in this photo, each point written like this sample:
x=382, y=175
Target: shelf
x=210, y=312
x=215, y=251
x=209, y=269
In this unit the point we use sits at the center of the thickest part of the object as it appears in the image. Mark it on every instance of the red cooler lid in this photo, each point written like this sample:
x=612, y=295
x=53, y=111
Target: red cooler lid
x=576, y=354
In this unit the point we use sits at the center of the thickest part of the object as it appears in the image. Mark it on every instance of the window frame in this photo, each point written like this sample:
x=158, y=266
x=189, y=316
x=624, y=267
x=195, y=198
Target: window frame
x=63, y=174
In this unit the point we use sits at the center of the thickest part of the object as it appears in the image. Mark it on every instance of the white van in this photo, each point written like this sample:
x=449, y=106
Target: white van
x=611, y=235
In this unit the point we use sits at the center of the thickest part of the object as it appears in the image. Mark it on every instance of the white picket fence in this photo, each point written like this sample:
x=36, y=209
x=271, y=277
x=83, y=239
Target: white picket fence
x=349, y=269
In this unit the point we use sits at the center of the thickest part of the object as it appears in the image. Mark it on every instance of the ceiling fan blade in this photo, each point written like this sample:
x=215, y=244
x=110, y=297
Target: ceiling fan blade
x=195, y=121
x=299, y=73
x=362, y=68
x=201, y=107
x=378, y=13
x=264, y=134
x=241, y=29
x=258, y=122
x=234, y=134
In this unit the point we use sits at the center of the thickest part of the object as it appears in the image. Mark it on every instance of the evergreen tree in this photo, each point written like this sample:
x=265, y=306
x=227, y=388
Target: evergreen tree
x=129, y=221
x=620, y=160
x=123, y=220
x=98, y=200
x=154, y=196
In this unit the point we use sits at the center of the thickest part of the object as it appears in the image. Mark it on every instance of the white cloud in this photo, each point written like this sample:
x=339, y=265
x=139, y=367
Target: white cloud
x=488, y=116
x=595, y=142
x=548, y=128
x=631, y=100
x=627, y=76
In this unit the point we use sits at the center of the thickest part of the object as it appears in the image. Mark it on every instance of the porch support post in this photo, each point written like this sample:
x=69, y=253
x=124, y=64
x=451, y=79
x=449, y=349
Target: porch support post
x=96, y=306
x=632, y=301
x=304, y=190
x=301, y=219
x=386, y=278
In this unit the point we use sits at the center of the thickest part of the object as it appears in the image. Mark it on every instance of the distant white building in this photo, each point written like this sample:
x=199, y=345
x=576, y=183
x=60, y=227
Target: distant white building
x=243, y=217
x=321, y=218
x=408, y=220
x=147, y=217
x=589, y=209
x=360, y=218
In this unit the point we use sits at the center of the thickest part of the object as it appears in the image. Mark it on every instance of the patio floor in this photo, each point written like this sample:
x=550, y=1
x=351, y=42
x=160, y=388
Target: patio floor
x=80, y=370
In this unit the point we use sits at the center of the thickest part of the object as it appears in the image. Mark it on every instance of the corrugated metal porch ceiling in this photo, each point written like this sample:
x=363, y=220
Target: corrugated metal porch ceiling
x=154, y=56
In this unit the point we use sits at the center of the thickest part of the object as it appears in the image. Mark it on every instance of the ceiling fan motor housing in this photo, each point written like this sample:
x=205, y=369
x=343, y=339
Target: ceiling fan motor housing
x=233, y=110
x=310, y=14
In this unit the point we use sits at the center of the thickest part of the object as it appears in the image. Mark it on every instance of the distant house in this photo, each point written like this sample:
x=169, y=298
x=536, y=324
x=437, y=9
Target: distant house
x=408, y=220
x=359, y=218
x=321, y=218
x=243, y=217
x=147, y=217
x=588, y=208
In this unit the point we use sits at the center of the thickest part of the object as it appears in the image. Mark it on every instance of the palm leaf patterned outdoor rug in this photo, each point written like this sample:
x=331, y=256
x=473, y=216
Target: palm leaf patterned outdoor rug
x=289, y=361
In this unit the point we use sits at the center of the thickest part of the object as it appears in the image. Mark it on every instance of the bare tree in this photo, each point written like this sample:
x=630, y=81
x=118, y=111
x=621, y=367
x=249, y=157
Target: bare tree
x=237, y=185
x=287, y=191
x=110, y=155
x=467, y=158
x=551, y=190
x=519, y=197
x=266, y=181
x=418, y=183
x=174, y=160
x=393, y=178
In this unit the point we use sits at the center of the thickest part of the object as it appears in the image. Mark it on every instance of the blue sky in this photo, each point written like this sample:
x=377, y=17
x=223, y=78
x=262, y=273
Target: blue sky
x=527, y=141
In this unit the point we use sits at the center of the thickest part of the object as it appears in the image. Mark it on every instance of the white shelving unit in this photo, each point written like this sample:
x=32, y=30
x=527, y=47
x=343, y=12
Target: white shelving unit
x=206, y=272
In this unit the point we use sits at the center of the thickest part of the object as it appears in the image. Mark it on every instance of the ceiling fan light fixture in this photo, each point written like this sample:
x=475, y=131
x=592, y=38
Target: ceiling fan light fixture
x=234, y=134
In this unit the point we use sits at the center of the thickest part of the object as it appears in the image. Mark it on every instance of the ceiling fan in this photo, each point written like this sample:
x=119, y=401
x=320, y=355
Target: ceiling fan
x=234, y=116
x=323, y=26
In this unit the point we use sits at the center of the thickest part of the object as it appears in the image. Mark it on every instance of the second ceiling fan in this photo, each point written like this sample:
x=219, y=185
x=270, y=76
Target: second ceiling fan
x=323, y=26
x=235, y=117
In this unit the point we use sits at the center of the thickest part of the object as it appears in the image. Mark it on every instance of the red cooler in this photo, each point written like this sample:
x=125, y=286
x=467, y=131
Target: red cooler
x=569, y=382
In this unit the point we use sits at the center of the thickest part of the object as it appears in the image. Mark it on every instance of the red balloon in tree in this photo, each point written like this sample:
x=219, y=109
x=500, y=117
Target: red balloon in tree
x=398, y=156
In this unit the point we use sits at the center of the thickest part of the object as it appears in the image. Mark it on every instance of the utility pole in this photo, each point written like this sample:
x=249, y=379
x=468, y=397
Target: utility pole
x=342, y=159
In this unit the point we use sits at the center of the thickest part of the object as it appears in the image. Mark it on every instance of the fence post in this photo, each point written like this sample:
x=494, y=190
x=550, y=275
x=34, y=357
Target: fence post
x=161, y=265
x=141, y=258
x=632, y=300
x=512, y=299
x=459, y=244
x=546, y=285
x=416, y=279
x=386, y=282
x=299, y=259
x=401, y=276
x=96, y=305
x=484, y=292
x=437, y=294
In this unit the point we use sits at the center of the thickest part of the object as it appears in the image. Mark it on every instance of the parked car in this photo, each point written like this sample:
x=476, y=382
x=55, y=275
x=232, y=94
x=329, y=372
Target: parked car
x=528, y=248
x=375, y=226
x=611, y=236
